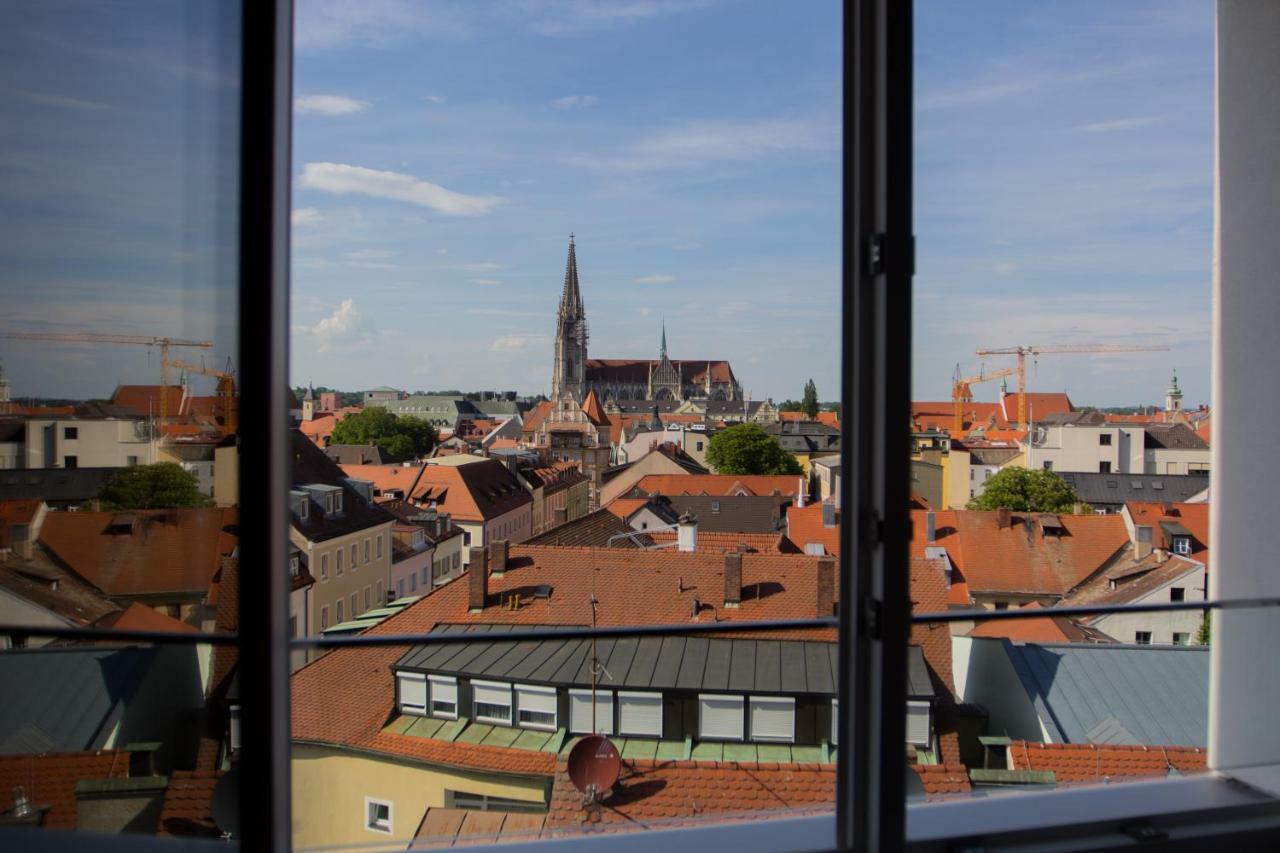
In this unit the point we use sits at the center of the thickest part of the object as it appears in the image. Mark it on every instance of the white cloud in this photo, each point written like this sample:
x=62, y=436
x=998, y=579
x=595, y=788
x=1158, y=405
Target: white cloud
x=575, y=102
x=344, y=328
x=1117, y=124
x=704, y=142
x=305, y=216
x=657, y=278
x=1005, y=268
x=575, y=17
x=376, y=23
x=517, y=342
x=369, y=255
x=435, y=99
x=328, y=105
x=62, y=101
x=485, y=266
x=342, y=179
x=645, y=311
x=442, y=251
x=484, y=281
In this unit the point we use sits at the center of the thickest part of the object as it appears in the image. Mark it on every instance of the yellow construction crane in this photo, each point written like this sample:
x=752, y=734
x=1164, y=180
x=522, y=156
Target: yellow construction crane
x=961, y=393
x=137, y=340
x=226, y=388
x=1037, y=351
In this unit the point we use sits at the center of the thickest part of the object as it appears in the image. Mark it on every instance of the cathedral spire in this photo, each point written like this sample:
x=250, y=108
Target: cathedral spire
x=571, y=298
x=663, y=352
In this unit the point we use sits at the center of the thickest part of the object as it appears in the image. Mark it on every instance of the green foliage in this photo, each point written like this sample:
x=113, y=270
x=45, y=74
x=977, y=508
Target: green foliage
x=748, y=449
x=1205, y=634
x=399, y=438
x=1022, y=490
x=809, y=404
x=790, y=406
x=159, y=486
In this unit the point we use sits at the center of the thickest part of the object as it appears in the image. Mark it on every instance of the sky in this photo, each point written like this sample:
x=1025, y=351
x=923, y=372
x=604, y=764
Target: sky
x=444, y=151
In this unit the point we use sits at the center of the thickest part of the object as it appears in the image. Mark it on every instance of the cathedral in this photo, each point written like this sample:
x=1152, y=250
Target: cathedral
x=614, y=379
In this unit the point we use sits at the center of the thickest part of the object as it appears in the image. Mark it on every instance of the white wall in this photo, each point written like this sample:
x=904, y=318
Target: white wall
x=1246, y=305
x=1162, y=626
x=984, y=676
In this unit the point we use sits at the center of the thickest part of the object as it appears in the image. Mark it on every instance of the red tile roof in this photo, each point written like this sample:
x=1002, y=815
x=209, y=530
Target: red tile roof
x=16, y=512
x=188, y=804
x=804, y=525
x=722, y=543
x=477, y=491
x=718, y=484
x=142, y=552
x=623, y=507
x=50, y=779
x=145, y=399
x=1039, y=404
x=1050, y=629
x=651, y=794
x=1021, y=558
x=446, y=827
x=1087, y=762
x=140, y=617
x=592, y=409
x=941, y=779
x=1194, y=517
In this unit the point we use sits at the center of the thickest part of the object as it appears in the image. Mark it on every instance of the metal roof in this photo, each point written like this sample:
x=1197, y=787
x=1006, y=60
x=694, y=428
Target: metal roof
x=1117, y=694
x=1102, y=489
x=69, y=699
x=648, y=663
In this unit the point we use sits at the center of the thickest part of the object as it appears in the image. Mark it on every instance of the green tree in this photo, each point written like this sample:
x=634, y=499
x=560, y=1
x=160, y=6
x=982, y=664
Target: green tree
x=748, y=449
x=1205, y=634
x=400, y=438
x=1023, y=490
x=790, y=406
x=809, y=405
x=160, y=486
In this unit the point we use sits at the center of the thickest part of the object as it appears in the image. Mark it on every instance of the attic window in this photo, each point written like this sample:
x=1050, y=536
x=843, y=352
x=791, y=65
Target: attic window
x=1182, y=545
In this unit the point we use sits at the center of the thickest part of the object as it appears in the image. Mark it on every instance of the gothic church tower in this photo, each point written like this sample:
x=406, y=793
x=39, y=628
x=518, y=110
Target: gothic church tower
x=569, y=375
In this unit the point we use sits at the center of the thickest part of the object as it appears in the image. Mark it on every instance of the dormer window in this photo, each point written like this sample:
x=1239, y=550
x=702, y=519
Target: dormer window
x=1182, y=545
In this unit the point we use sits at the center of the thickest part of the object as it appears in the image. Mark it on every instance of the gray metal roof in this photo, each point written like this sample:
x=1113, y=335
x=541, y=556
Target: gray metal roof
x=66, y=699
x=1102, y=489
x=648, y=663
x=1086, y=693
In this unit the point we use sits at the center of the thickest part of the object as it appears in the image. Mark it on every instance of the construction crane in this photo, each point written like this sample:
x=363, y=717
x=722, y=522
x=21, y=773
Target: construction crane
x=136, y=340
x=1036, y=351
x=961, y=393
x=226, y=388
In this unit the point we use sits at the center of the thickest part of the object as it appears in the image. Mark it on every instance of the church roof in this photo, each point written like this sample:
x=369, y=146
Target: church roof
x=637, y=370
x=593, y=410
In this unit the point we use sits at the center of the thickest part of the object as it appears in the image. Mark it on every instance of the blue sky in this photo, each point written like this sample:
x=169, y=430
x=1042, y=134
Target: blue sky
x=445, y=150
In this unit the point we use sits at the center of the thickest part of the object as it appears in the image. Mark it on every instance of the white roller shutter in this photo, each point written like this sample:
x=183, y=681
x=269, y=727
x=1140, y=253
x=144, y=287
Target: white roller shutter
x=444, y=696
x=580, y=712
x=835, y=722
x=536, y=706
x=719, y=717
x=773, y=718
x=640, y=714
x=413, y=692
x=918, y=723
x=491, y=693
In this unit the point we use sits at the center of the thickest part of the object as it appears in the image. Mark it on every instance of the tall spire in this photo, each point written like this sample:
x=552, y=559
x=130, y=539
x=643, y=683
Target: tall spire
x=571, y=298
x=663, y=352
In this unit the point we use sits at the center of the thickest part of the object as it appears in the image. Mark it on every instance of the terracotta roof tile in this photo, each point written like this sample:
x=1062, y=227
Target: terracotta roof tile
x=140, y=617
x=1087, y=762
x=51, y=779
x=940, y=779
x=140, y=552
x=188, y=804
x=718, y=484
x=804, y=526
x=723, y=543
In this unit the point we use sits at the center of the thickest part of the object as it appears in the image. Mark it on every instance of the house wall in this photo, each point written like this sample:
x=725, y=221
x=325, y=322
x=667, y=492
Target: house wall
x=330, y=785
x=11, y=454
x=446, y=551
x=1163, y=461
x=651, y=463
x=98, y=443
x=926, y=481
x=301, y=625
x=15, y=610
x=1162, y=626
x=226, y=476
x=1078, y=448
x=417, y=567
x=327, y=592
x=984, y=676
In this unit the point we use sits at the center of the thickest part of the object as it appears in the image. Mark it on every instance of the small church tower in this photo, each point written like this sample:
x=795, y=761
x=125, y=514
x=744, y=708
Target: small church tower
x=309, y=404
x=569, y=374
x=1173, y=396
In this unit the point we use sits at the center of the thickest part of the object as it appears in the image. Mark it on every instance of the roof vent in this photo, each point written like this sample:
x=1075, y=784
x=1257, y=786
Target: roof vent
x=543, y=591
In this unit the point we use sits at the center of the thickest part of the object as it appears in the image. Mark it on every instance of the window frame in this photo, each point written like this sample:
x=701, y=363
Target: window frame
x=724, y=699
x=370, y=824
x=752, y=735
x=602, y=697
x=434, y=679
x=510, y=704
x=536, y=690
x=620, y=698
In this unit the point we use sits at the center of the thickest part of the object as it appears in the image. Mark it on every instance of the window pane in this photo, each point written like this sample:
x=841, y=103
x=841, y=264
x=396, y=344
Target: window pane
x=119, y=413
x=615, y=252
x=1063, y=185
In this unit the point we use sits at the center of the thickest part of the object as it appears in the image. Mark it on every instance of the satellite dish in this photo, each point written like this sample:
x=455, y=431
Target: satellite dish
x=226, y=803
x=594, y=765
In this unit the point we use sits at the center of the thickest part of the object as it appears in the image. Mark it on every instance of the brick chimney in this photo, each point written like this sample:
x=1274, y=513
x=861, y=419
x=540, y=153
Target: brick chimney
x=1142, y=537
x=826, y=604
x=478, y=584
x=499, y=551
x=732, y=579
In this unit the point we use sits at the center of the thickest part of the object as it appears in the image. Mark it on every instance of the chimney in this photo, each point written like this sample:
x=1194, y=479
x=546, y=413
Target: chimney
x=1004, y=517
x=478, y=589
x=687, y=533
x=931, y=527
x=1141, y=541
x=732, y=579
x=826, y=604
x=828, y=514
x=800, y=493
x=499, y=550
